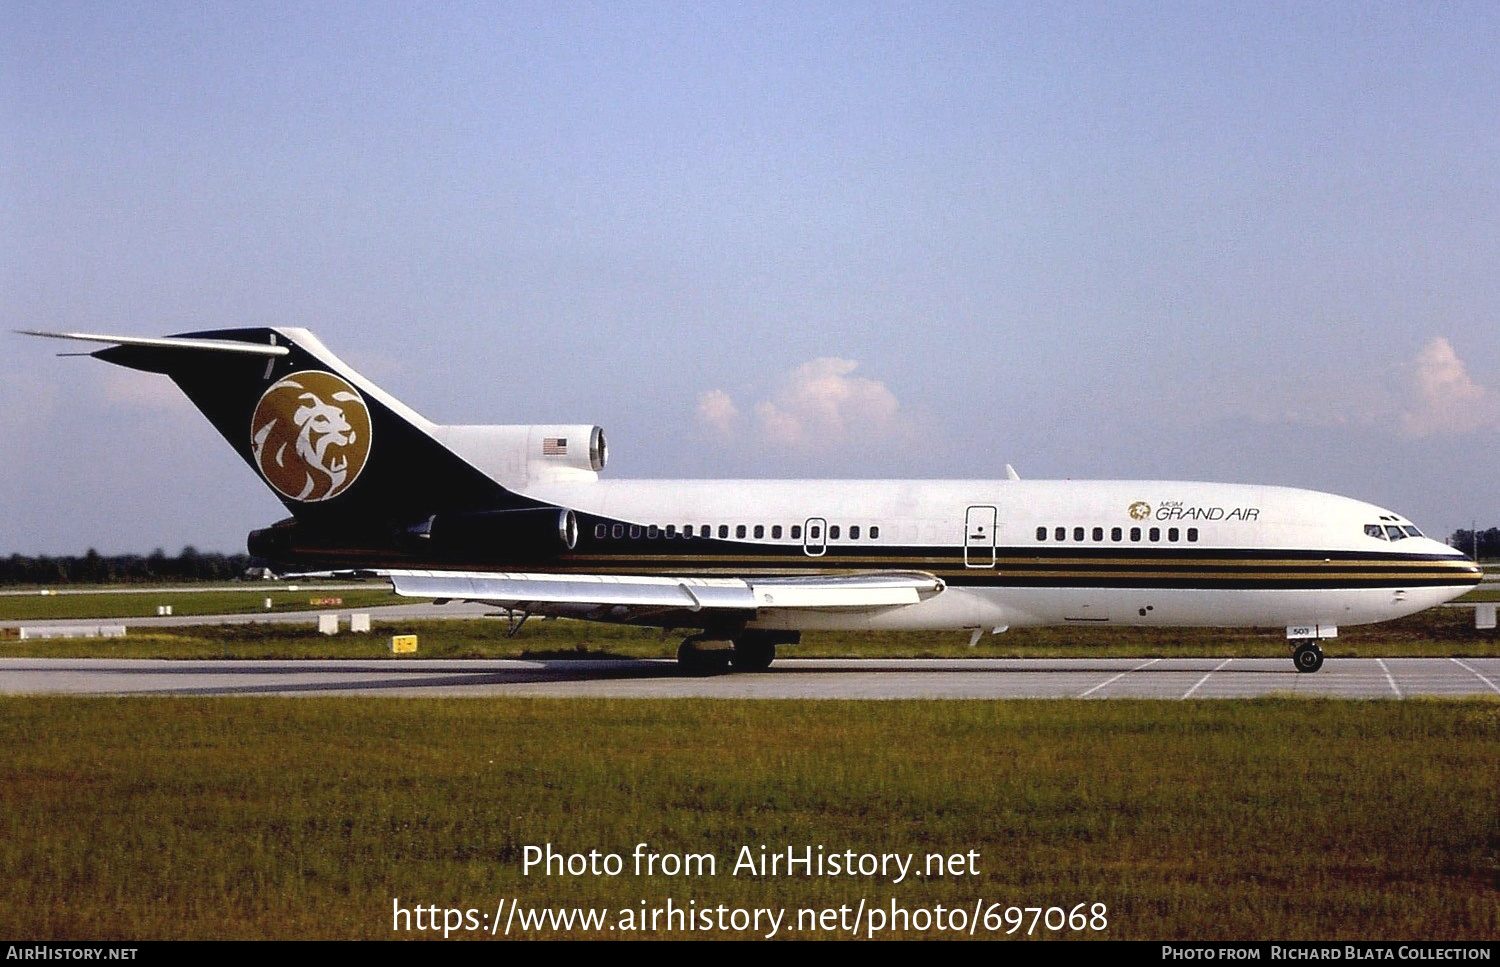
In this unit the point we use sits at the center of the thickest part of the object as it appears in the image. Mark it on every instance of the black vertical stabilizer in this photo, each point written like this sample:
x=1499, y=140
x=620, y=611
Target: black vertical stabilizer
x=343, y=456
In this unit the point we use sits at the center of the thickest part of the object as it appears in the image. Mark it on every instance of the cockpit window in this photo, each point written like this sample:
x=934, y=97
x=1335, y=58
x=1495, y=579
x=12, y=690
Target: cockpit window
x=1412, y=531
x=1395, y=533
x=1373, y=530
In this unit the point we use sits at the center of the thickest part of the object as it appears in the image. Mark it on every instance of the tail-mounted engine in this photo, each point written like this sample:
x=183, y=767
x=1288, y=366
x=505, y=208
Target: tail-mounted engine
x=533, y=534
x=515, y=456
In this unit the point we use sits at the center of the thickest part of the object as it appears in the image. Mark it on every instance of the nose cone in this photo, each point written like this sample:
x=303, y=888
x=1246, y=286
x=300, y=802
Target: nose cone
x=1430, y=546
x=1460, y=570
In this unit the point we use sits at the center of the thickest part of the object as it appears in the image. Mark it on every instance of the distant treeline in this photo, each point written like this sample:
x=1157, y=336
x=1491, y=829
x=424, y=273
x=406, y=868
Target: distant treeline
x=95, y=568
x=1489, y=543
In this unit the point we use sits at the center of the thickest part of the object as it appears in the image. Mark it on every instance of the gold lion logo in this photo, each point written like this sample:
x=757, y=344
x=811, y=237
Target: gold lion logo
x=1140, y=510
x=311, y=436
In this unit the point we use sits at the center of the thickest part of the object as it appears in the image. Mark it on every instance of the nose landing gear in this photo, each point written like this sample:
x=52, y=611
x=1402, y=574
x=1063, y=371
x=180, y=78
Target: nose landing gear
x=1308, y=657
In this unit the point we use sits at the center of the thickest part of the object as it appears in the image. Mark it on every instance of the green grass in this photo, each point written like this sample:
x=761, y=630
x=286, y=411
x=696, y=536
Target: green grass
x=143, y=818
x=143, y=604
x=1437, y=632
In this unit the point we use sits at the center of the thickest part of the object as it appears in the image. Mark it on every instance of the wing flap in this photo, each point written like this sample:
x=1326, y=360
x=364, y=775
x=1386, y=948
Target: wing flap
x=630, y=591
x=824, y=592
x=845, y=591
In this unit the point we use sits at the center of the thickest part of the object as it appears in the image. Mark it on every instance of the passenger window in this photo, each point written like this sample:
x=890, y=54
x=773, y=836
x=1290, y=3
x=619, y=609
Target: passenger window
x=1078, y=533
x=617, y=531
x=775, y=532
x=687, y=530
x=671, y=530
x=1192, y=534
x=1041, y=533
x=652, y=530
x=874, y=531
x=1135, y=533
x=1098, y=533
x=723, y=530
x=1173, y=534
x=1060, y=533
x=854, y=533
x=739, y=530
x=833, y=532
x=796, y=532
x=760, y=531
x=635, y=530
x=1115, y=534
x=814, y=533
x=1155, y=534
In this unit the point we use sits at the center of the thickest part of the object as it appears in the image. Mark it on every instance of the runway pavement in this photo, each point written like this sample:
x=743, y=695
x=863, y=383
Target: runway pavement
x=1087, y=678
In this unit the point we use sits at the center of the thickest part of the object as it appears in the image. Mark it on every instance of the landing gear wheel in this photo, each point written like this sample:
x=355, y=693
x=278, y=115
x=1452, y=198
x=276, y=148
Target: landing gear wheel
x=1308, y=657
x=695, y=659
x=753, y=654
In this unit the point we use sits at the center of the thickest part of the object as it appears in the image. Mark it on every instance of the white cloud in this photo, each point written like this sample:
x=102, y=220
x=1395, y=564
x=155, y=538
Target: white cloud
x=1444, y=399
x=717, y=411
x=821, y=405
x=1431, y=395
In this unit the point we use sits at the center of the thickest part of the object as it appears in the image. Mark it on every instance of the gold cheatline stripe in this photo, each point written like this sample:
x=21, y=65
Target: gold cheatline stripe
x=1031, y=566
x=1305, y=574
x=1020, y=562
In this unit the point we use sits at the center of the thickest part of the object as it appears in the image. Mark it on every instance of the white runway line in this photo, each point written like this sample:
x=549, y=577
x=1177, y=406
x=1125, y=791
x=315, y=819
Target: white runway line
x=1118, y=677
x=1475, y=672
x=1205, y=678
x=1388, y=678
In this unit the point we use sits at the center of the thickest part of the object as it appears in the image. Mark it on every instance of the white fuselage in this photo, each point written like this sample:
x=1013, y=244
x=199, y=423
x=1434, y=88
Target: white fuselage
x=1016, y=553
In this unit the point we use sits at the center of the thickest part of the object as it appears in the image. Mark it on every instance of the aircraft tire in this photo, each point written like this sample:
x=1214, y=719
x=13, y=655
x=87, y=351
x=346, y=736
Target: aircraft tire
x=696, y=660
x=1308, y=658
x=753, y=654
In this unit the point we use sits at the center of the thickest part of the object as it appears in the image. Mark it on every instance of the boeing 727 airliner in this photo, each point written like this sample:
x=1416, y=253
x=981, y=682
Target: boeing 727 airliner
x=518, y=516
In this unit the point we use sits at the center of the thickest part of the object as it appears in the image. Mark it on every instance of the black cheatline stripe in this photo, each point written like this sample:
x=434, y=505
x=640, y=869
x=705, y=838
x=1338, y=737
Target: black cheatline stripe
x=1272, y=571
x=1221, y=583
x=1013, y=557
x=1008, y=558
x=1176, y=569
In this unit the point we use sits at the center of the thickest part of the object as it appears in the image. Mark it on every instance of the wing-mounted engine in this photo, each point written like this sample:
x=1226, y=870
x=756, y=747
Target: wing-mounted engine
x=516, y=456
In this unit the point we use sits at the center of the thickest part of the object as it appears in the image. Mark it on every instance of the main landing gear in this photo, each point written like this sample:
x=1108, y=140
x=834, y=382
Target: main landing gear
x=711, y=653
x=1308, y=657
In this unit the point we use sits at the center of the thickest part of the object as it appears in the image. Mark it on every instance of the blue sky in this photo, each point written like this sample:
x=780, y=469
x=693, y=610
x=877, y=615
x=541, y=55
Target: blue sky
x=1250, y=242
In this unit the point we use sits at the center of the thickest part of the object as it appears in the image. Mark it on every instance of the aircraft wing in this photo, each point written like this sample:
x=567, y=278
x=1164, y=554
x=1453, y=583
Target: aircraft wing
x=619, y=597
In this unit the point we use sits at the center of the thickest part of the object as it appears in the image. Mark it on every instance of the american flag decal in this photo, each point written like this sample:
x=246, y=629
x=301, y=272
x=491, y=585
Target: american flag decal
x=554, y=446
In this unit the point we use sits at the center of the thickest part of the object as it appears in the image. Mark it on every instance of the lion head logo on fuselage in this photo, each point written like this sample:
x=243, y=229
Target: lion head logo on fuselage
x=310, y=435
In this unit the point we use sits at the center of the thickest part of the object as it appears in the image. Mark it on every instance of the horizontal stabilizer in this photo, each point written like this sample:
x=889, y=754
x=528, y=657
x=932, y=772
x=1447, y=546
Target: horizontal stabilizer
x=168, y=342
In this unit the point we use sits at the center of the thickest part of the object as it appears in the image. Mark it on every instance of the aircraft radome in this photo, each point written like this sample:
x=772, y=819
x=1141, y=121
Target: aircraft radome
x=519, y=516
